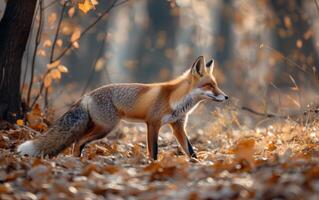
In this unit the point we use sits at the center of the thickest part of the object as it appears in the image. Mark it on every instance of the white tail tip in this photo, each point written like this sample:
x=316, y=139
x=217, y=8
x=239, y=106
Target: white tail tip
x=27, y=148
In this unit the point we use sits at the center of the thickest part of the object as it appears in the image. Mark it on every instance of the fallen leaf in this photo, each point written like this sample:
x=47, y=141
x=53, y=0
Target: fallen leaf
x=86, y=6
x=20, y=122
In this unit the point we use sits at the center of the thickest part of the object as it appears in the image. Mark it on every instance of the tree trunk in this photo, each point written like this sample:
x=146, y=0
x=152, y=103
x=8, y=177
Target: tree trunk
x=14, y=32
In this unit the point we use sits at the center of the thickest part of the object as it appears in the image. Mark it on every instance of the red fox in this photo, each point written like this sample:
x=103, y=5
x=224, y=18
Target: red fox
x=97, y=113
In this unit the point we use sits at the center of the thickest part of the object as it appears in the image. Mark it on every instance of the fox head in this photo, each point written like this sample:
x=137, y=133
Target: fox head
x=204, y=82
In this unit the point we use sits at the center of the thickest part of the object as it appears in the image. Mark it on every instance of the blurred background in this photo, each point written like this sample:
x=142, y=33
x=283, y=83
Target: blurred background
x=265, y=51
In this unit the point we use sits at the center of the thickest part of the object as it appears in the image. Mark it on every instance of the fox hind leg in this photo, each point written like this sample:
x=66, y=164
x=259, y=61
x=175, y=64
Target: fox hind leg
x=152, y=137
x=97, y=133
x=105, y=117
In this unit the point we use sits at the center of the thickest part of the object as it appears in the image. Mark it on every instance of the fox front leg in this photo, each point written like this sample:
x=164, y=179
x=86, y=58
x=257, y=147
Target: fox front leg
x=152, y=138
x=180, y=134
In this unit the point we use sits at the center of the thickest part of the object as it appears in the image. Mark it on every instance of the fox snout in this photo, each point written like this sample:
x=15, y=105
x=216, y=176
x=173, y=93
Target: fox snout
x=220, y=95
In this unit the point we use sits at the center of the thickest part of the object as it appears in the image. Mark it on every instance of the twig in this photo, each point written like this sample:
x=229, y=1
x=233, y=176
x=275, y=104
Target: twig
x=42, y=86
x=57, y=32
x=71, y=43
x=28, y=47
x=37, y=97
x=37, y=42
x=53, y=48
x=69, y=46
x=291, y=62
x=268, y=115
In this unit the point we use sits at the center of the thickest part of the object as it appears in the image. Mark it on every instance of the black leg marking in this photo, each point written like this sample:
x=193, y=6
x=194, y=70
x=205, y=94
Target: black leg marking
x=155, y=149
x=191, y=150
x=152, y=138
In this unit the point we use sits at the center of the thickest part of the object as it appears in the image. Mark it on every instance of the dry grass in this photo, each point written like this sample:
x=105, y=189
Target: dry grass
x=279, y=160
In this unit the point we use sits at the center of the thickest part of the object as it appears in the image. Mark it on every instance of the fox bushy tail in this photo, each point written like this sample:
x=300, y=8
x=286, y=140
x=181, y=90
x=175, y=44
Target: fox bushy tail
x=71, y=126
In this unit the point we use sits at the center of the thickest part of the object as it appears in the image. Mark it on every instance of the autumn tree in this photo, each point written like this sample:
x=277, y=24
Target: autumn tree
x=15, y=28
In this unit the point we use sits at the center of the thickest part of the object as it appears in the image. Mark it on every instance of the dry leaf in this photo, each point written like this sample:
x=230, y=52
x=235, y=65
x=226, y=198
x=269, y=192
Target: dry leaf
x=47, y=43
x=111, y=169
x=41, y=52
x=287, y=22
x=245, y=149
x=59, y=42
x=86, y=6
x=20, y=122
x=100, y=64
x=63, y=69
x=71, y=11
x=47, y=81
x=55, y=74
x=54, y=64
x=299, y=43
x=76, y=45
x=271, y=146
x=94, y=2
x=5, y=188
x=89, y=169
x=76, y=35
x=52, y=18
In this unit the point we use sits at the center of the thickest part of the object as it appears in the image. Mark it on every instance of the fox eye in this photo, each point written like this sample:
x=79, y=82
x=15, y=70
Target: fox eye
x=208, y=85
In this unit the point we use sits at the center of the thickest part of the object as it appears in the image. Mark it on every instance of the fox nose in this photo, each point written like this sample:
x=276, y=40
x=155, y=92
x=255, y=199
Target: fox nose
x=226, y=97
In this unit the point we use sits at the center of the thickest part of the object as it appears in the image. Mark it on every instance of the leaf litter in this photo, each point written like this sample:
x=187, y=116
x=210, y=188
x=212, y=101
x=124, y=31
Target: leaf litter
x=278, y=161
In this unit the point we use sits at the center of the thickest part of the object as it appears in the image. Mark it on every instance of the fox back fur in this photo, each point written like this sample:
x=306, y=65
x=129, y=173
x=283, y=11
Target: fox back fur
x=98, y=112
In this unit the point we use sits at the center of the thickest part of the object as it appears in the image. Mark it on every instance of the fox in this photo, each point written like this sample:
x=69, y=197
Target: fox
x=98, y=112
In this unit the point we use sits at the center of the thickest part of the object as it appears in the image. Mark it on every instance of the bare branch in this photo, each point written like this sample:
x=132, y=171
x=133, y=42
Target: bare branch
x=40, y=91
x=28, y=47
x=114, y=4
x=37, y=42
x=268, y=115
x=53, y=49
x=57, y=32
x=69, y=46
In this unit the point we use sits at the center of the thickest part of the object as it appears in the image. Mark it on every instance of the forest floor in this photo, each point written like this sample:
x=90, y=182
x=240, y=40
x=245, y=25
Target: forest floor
x=280, y=160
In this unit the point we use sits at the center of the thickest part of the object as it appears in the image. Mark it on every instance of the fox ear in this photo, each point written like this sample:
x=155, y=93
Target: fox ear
x=198, y=67
x=210, y=65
